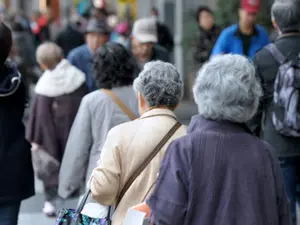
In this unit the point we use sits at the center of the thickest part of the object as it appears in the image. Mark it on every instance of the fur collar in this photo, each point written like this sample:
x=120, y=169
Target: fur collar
x=64, y=79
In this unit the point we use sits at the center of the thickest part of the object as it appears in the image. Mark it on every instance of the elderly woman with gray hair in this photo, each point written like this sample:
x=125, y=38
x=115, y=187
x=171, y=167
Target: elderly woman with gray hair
x=220, y=173
x=58, y=95
x=119, y=178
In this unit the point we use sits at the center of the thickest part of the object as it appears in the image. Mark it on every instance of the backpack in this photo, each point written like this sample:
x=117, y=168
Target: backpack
x=286, y=107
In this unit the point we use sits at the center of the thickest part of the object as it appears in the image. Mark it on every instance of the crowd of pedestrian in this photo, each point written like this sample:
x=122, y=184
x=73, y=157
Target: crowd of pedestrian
x=102, y=123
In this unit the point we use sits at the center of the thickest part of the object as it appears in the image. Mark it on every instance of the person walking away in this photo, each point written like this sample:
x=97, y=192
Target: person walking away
x=114, y=71
x=58, y=95
x=144, y=42
x=278, y=70
x=164, y=36
x=244, y=38
x=159, y=89
x=97, y=34
x=16, y=167
x=204, y=41
x=221, y=173
x=22, y=54
x=70, y=37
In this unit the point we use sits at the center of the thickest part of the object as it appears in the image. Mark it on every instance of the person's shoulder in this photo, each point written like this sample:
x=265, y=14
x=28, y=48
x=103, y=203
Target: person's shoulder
x=94, y=97
x=230, y=30
x=263, y=58
x=125, y=131
x=161, y=53
x=76, y=51
x=160, y=49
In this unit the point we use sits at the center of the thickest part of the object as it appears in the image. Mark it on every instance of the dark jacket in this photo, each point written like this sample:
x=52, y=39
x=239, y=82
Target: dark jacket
x=16, y=172
x=204, y=43
x=220, y=173
x=58, y=96
x=69, y=39
x=23, y=55
x=266, y=72
x=160, y=53
x=165, y=38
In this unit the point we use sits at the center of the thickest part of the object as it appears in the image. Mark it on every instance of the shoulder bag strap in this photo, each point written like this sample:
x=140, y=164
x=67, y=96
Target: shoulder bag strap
x=278, y=56
x=145, y=163
x=121, y=104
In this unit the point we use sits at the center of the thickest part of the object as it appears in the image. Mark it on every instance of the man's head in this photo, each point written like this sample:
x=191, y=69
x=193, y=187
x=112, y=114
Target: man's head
x=205, y=17
x=97, y=34
x=144, y=36
x=248, y=12
x=6, y=42
x=286, y=15
x=49, y=55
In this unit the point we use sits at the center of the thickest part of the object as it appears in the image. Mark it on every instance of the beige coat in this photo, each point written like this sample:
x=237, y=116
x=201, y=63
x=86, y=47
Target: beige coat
x=128, y=145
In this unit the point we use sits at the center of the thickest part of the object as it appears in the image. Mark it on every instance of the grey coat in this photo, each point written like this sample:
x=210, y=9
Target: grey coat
x=96, y=116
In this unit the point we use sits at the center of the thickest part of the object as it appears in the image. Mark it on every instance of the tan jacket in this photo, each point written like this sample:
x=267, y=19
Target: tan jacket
x=128, y=145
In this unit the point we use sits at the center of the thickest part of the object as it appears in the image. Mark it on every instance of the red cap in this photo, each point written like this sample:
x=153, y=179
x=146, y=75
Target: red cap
x=251, y=6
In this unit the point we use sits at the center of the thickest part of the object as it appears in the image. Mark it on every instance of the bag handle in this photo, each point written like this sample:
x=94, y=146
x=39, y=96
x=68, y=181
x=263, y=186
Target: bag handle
x=145, y=163
x=82, y=204
x=121, y=104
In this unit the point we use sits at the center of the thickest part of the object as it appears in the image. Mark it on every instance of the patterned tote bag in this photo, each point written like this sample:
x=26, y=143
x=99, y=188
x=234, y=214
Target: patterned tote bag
x=74, y=217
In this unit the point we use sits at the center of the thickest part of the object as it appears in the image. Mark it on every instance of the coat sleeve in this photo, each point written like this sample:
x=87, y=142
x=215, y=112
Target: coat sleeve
x=41, y=125
x=105, y=180
x=75, y=160
x=169, y=200
x=284, y=211
x=221, y=44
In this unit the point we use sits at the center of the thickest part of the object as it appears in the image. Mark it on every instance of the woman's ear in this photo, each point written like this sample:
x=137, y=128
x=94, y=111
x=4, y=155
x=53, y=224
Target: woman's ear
x=141, y=100
x=43, y=66
x=274, y=24
x=142, y=103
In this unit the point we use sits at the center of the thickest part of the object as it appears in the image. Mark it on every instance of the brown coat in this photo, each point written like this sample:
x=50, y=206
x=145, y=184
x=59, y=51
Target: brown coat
x=53, y=113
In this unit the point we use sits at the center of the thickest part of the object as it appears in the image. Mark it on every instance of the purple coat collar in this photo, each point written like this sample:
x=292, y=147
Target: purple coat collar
x=199, y=123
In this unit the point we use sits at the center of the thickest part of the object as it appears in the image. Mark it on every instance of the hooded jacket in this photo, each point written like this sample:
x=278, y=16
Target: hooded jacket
x=16, y=173
x=58, y=96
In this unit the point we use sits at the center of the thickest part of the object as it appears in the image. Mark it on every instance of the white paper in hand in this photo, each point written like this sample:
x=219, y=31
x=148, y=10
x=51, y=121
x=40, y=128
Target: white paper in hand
x=134, y=217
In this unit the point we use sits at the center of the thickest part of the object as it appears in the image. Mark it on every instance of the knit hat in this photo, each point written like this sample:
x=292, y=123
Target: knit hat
x=144, y=30
x=251, y=6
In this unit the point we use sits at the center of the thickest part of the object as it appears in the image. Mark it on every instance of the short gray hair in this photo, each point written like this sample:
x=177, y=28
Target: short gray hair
x=226, y=89
x=286, y=14
x=160, y=84
x=49, y=54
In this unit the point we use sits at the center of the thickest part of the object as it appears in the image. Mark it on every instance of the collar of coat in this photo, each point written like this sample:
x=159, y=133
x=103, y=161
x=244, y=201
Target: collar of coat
x=159, y=112
x=200, y=123
x=64, y=79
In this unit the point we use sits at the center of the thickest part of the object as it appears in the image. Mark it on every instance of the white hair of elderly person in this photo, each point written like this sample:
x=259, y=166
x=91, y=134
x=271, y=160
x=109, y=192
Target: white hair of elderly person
x=220, y=172
x=217, y=97
x=159, y=88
